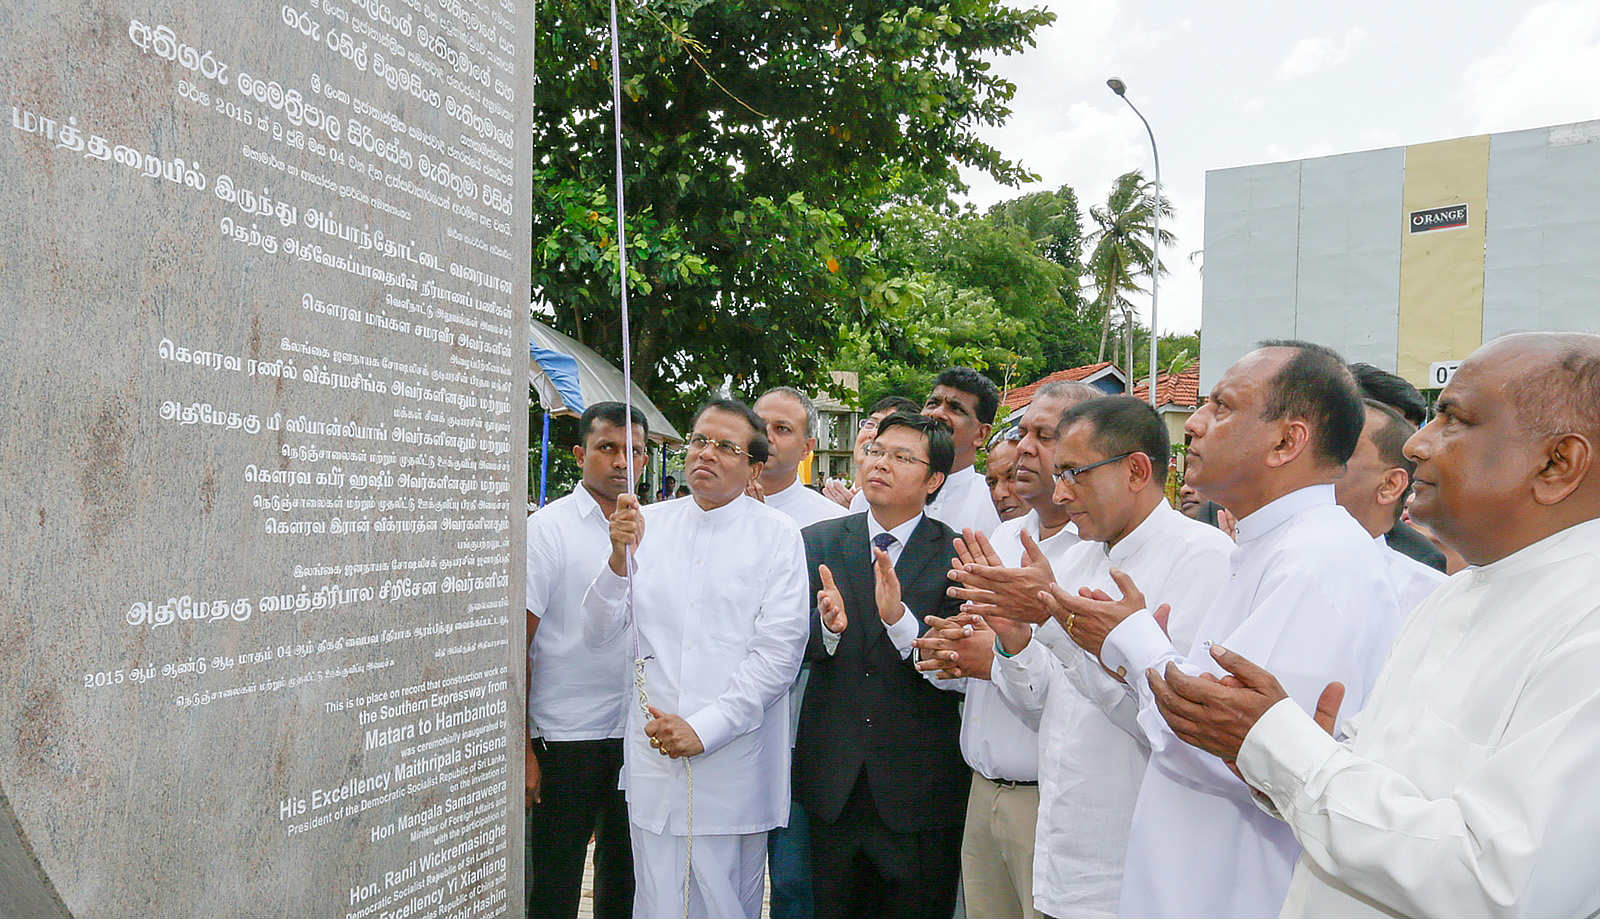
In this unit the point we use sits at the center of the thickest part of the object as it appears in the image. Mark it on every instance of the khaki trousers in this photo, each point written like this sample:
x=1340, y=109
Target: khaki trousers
x=997, y=850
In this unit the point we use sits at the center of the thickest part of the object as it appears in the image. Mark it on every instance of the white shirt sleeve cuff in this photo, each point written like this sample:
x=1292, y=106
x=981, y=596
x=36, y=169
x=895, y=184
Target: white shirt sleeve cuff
x=903, y=632
x=830, y=640
x=1283, y=750
x=610, y=586
x=712, y=727
x=1135, y=644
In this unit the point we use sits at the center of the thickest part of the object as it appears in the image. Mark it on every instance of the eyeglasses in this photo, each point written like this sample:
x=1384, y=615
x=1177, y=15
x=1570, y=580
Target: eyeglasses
x=726, y=447
x=1070, y=475
x=898, y=457
x=867, y=424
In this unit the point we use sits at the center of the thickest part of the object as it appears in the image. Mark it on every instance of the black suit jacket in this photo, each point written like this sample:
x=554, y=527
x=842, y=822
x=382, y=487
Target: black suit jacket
x=865, y=708
x=1407, y=541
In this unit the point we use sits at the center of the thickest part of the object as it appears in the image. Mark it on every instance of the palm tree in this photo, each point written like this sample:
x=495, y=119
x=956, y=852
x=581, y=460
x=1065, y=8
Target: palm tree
x=1122, y=254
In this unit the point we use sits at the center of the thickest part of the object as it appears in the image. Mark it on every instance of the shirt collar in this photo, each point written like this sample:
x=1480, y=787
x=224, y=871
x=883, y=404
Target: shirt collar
x=901, y=533
x=1275, y=512
x=1032, y=524
x=1148, y=530
x=787, y=493
x=722, y=514
x=587, y=505
x=1574, y=540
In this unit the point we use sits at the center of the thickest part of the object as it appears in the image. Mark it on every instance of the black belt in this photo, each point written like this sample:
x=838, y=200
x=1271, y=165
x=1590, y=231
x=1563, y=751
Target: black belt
x=1020, y=783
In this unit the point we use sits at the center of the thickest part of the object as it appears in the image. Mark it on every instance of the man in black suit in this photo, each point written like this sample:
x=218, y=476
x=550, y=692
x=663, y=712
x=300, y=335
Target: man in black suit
x=878, y=763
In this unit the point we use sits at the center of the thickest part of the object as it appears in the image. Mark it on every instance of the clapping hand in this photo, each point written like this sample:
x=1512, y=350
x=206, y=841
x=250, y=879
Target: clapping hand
x=959, y=647
x=1215, y=715
x=991, y=589
x=830, y=603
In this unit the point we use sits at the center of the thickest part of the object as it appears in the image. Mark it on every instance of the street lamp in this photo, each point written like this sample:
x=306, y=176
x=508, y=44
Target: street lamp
x=1121, y=89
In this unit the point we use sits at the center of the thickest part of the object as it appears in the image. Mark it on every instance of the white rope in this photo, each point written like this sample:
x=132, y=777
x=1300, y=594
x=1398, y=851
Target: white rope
x=627, y=399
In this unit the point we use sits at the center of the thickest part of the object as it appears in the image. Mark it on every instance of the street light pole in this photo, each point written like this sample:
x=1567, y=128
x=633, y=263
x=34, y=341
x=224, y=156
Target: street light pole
x=1121, y=89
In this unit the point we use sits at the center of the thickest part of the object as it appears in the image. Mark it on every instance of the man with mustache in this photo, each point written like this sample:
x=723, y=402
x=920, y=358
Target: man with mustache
x=1307, y=593
x=576, y=694
x=1465, y=787
x=717, y=602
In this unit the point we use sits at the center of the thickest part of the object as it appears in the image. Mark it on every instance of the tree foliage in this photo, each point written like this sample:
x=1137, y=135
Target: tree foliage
x=762, y=144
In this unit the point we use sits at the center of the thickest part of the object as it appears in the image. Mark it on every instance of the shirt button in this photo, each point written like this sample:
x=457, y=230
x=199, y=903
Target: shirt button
x=1122, y=673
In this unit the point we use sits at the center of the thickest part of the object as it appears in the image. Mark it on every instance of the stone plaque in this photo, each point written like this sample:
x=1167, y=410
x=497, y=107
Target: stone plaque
x=263, y=364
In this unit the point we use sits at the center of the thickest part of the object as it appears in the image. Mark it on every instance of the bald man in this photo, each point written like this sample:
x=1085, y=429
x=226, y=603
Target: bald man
x=1466, y=785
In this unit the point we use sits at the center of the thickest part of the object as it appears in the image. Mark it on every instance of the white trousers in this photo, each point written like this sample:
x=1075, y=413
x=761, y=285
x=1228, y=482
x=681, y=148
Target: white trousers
x=727, y=882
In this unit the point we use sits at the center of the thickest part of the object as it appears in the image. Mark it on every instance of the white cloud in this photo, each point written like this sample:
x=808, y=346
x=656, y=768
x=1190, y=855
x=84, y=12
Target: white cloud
x=1314, y=55
x=1546, y=71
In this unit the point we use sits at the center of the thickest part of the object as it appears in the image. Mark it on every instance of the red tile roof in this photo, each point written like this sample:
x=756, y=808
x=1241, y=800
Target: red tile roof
x=1181, y=391
x=1023, y=395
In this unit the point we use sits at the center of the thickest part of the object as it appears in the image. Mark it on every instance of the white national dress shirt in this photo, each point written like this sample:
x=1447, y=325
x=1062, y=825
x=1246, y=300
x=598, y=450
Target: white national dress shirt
x=720, y=600
x=575, y=692
x=1308, y=598
x=1413, y=580
x=805, y=507
x=1092, y=754
x=963, y=503
x=1468, y=785
x=905, y=629
x=999, y=739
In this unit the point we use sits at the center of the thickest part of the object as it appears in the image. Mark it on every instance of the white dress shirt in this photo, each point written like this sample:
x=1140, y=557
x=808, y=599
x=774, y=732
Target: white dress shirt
x=1413, y=580
x=804, y=506
x=722, y=616
x=1308, y=598
x=1000, y=739
x=1092, y=755
x=964, y=503
x=905, y=629
x=1468, y=785
x=575, y=691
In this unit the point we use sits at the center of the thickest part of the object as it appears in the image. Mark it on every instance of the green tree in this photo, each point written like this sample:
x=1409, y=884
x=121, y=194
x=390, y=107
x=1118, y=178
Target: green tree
x=979, y=292
x=762, y=143
x=1122, y=254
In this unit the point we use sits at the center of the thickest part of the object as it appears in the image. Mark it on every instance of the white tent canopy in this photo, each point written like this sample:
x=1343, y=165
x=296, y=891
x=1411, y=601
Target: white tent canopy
x=569, y=377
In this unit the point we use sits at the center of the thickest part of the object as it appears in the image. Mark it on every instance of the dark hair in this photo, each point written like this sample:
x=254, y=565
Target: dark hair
x=758, y=448
x=611, y=413
x=894, y=404
x=1391, y=390
x=669, y=478
x=1315, y=386
x=1390, y=438
x=1123, y=424
x=1391, y=435
x=972, y=383
x=941, y=446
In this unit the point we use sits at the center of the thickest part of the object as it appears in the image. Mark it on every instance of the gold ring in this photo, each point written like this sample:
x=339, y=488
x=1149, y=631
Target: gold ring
x=1071, y=618
x=655, y=742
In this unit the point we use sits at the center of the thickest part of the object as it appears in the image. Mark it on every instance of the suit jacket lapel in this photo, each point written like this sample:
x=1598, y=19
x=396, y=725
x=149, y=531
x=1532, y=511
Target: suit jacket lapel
x=921, y=550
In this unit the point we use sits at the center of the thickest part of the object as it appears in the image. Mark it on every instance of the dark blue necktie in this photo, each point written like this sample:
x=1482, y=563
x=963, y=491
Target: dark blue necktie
x=883, y=541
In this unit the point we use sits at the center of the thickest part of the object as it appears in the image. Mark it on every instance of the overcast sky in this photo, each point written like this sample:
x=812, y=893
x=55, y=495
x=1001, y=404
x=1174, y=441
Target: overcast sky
x=1234, y=83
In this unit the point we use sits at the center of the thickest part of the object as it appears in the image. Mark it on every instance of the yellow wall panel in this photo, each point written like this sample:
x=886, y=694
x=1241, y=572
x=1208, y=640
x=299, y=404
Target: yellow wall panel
x=1441, y=270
